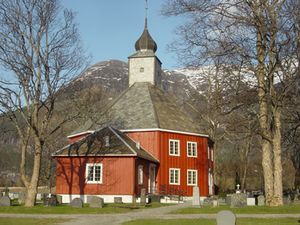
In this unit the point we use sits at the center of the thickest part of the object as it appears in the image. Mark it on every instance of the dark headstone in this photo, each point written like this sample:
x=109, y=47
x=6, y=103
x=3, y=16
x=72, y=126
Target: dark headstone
x=226, y=217
x=118, y=200
x=261, y=200
x=155, y=198
x=52, y=201
x=96, y=202
x=76, y=203
x=228, y=199
x=286, y=200
x=238, y=200
x=1, y=194
x=5, y=201
x=143, y=196
x=6, y=192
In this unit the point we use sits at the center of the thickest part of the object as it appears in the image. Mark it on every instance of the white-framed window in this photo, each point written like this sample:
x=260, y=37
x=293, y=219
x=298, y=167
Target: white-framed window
x=174, y=176
x=212, y=154
x=191, y=149
x=174, y=147
x=140, y=174
x=192, y=177
x=93, y=173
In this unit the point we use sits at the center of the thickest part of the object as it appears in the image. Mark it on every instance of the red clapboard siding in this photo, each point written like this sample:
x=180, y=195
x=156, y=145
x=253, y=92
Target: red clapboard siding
x=118, y=175
x=157, y=143
x=149, y=140
x=183, y=162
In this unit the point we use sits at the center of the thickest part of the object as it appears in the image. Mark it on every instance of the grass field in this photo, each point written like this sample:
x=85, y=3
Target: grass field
x=30, y=221
x=244, y=221
x=66, y=209
x=287, y=209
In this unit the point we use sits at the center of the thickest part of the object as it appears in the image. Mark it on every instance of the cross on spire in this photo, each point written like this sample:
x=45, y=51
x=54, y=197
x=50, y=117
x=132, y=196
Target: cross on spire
x=146, y=13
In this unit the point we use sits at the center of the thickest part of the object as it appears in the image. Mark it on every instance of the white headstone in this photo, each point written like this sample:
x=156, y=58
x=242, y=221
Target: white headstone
x=250, y=201
x=196, y=197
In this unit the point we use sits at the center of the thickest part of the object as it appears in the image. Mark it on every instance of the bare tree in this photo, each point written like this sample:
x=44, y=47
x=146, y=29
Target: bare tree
x=40, y=51
x=259, y=35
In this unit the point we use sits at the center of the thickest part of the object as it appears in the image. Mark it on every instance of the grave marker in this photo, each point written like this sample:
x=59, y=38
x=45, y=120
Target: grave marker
x=226, y=217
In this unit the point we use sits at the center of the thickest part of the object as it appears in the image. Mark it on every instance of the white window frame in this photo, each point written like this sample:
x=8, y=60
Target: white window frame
x=193, y=172
x=88, y=165
x=140, y=174
x=171, y=152
x=212, y=154
x=192, y=143
x=170, y=175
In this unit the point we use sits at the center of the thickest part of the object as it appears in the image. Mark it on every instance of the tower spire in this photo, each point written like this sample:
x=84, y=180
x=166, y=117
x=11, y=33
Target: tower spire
x=146, y=14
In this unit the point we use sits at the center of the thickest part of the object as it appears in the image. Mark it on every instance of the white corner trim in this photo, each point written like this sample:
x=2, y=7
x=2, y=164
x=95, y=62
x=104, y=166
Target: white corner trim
x=165, y=130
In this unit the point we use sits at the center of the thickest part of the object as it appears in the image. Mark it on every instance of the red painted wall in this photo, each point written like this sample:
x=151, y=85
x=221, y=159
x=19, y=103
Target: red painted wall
x=157, y=142
x=149, y=140
x=183, y=162
x=118, y=175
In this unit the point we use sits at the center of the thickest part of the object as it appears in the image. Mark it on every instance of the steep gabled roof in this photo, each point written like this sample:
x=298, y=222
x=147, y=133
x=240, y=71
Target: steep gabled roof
x=96, y=144
x=144, y=106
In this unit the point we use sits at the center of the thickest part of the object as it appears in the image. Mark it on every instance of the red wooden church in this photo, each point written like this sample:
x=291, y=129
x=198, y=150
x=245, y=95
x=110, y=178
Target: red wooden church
x=145, y=141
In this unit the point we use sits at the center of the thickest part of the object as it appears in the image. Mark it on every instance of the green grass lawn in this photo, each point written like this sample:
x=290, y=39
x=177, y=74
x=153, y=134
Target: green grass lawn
x=246, y=210
x=243, y=221
x=66, y=209
x=30, y=221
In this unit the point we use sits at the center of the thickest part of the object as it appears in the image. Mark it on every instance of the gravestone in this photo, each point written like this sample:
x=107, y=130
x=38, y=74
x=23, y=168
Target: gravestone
x=118, y=200
x=143, y=196
x=238, y=200
x=286, y=200
x=21, y=198
x=222, y=201
x=5, y=201
x=96, y=202
x=250, y=201
x=261, y=200
x=39, y=196
x=196, y=197
x=76, y=203
x=52, y=201
x=215, y=203
x=226, y=217
x=228, y=199
x=59, y=199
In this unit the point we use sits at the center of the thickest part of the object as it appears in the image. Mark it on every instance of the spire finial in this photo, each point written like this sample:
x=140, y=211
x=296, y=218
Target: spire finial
x=146, y=13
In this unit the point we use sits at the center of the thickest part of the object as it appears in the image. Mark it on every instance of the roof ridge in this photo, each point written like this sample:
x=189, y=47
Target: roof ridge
x=113, y=130
x=154, y=108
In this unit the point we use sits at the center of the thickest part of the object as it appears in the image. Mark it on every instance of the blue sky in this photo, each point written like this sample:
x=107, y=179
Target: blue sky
x=109, y=28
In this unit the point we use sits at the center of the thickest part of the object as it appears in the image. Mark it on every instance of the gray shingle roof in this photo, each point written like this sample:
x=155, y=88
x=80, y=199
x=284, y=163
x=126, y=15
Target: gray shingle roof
x=143, y=106
x=95, y=145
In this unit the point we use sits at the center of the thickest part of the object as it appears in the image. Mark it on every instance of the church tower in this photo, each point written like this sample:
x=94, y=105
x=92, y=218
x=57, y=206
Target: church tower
x=144, y=66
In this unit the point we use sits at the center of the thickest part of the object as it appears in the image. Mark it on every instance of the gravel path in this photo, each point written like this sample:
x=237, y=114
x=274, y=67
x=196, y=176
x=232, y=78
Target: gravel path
x=156, y=213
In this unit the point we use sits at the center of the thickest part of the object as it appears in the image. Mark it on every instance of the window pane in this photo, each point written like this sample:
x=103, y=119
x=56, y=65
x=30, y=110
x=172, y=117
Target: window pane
x=90, y=173
x=97, y=173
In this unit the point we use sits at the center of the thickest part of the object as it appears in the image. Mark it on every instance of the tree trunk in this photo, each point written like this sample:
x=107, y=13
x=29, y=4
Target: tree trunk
x=277, y=200
x=33, y=186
